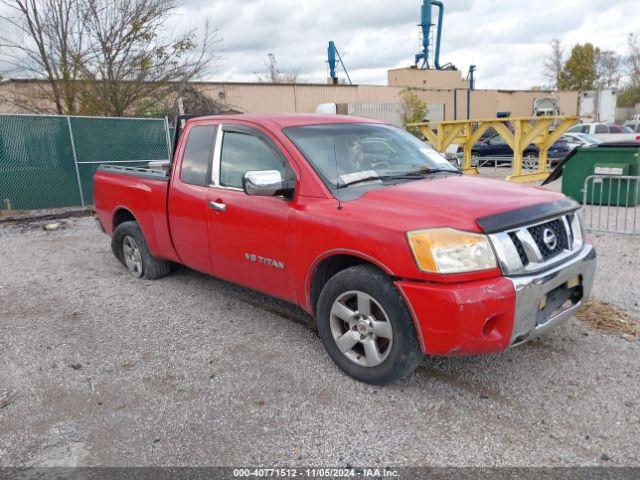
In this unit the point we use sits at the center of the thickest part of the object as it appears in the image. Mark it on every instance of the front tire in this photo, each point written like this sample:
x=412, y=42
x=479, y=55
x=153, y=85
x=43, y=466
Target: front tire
x=130, y=247
x=366, y=327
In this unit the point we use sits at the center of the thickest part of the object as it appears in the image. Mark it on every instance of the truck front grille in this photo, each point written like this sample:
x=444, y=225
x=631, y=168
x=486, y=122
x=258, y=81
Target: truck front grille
x=560, y=238
x=520, y=249
x=535, y=247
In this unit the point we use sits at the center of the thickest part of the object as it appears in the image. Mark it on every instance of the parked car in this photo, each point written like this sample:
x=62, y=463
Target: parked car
x=497, y=147
x=613, y=128
x=634, y=126
x=394, y=252
x=576, y=140
x=605, y=132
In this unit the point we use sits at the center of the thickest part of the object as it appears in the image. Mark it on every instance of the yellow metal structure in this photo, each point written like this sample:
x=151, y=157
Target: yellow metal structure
x=517, y=132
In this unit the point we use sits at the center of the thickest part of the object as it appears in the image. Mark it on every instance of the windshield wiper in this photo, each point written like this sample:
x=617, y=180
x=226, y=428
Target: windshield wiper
x=362, y=180
x=429, y=171
x=400, y=176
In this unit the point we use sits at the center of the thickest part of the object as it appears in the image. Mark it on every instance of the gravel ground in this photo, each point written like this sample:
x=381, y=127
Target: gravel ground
x=99, y=368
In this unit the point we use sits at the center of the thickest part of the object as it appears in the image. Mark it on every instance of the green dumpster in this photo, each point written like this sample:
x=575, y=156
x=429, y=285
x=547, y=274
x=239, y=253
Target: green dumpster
x=609, y=165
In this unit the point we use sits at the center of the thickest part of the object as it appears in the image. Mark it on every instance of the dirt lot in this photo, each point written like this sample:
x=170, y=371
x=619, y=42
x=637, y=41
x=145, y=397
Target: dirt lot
x=99, y=368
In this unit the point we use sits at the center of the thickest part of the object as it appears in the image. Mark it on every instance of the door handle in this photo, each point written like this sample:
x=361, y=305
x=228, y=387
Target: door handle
x=218, y=206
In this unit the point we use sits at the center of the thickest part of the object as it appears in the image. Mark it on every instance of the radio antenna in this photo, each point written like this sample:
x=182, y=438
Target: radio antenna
x=338, y=194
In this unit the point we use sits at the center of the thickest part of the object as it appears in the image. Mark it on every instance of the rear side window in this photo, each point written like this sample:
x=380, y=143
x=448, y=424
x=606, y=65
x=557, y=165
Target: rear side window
x=197, y=155
x=241, y=153
x=601, y=128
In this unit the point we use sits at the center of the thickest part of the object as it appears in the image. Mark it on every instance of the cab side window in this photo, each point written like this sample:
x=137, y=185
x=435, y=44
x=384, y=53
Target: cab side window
x=197, y=155
x=242, y=152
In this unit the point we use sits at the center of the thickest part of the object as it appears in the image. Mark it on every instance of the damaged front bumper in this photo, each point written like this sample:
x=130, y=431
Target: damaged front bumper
x=489, y=316
x=549, y=298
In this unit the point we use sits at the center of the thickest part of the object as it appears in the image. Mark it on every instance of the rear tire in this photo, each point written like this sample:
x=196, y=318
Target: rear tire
x=530, y=160
x=475, y=160
x=130, y=247
x=366, y=327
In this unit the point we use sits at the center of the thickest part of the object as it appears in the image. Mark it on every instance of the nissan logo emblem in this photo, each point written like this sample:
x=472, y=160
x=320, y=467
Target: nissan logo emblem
x=549, y=238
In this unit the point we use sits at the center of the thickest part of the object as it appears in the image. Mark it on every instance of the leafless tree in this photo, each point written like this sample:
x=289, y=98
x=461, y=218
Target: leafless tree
x=553, y=63
x=130, y=60
x=632, y=61
x=106, y=57
x=44, y=39
x=607, y=70
x=273, y=74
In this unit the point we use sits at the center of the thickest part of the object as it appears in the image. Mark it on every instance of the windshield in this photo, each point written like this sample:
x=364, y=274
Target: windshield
x=356, y=153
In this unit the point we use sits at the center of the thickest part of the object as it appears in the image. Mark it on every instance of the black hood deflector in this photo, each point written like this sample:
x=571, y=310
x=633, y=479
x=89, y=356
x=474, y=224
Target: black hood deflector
x=526, y=216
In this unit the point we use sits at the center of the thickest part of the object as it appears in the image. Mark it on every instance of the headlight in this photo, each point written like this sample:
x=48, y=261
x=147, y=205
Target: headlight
x=445, y=250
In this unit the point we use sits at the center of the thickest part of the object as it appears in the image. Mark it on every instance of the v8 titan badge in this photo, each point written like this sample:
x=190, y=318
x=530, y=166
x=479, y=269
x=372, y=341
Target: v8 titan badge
x=269, y=262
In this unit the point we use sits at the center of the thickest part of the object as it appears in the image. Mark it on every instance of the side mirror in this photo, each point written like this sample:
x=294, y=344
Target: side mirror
x=265, y=183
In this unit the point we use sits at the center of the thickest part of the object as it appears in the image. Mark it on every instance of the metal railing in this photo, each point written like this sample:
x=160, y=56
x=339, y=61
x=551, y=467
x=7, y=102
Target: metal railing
x=611, y=204
x=505, y=161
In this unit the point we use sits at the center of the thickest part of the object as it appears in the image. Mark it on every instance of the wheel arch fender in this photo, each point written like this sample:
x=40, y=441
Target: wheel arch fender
x=120, y=215
x=327, y=264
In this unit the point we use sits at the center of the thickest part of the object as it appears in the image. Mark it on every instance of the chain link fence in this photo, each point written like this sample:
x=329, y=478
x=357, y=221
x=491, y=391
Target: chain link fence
x=48, y=161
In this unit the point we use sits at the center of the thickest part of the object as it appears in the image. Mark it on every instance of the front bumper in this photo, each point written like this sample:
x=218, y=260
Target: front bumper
x=549, y=298
x=489, y=316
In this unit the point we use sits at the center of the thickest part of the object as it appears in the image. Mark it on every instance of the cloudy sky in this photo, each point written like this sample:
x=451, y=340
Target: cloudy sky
x=506, y=39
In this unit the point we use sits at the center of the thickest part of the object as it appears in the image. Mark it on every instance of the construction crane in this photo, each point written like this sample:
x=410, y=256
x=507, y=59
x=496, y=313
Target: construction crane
x=333, y=55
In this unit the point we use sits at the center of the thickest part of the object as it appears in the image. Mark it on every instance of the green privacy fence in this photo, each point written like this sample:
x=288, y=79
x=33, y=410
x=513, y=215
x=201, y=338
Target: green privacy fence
x=49, y=161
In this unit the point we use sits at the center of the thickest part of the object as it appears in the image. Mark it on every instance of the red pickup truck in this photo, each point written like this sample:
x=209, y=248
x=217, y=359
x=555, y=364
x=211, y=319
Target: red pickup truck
x=394, y=251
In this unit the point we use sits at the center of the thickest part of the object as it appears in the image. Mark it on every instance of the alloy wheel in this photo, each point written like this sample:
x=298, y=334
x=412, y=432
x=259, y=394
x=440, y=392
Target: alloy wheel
x=530, y=161
x=132, y=256
x=361, y=328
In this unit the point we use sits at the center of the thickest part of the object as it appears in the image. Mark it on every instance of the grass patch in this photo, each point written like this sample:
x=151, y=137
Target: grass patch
x=608, y=319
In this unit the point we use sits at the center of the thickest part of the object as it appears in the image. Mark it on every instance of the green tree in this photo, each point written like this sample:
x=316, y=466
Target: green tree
x=629, y=97
x=414, y=110
x=580, y=71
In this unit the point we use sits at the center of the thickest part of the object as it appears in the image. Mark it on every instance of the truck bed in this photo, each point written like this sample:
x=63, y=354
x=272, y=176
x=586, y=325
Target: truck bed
x=148, y=173
x=123, y=190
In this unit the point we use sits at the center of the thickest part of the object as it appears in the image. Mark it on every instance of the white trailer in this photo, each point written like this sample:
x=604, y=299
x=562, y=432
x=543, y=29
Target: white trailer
x=599, y=105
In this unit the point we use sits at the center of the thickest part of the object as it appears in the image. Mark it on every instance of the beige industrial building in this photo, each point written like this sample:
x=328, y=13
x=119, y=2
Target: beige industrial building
x=444, y=91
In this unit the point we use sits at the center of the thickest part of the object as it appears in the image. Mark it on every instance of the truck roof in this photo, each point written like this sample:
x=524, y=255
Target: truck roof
x=284, y=120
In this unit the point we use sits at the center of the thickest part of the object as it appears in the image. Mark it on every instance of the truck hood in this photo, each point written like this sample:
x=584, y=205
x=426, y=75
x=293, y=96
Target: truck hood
x=452, y=201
